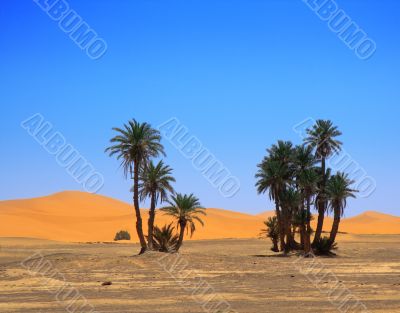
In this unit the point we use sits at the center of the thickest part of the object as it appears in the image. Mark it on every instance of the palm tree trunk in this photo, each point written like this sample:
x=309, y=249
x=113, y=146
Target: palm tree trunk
x=307, y=239
x=335, y=227
x=281, y=224
x=139, y=226
x=182, y=226
x=286, y=230
x=320, y=223
x=321, y=203
x=289, y=240
x=303, y=222
x=302, y=235
x=275, y=245
x=291, y=243
x=152, y=216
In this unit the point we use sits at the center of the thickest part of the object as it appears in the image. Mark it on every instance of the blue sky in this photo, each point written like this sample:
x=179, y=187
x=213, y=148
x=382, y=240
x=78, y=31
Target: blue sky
x=238, y=74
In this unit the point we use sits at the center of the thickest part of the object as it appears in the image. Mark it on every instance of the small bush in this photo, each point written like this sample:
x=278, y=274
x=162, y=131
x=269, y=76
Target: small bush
x=122, y=235
x=323, y=247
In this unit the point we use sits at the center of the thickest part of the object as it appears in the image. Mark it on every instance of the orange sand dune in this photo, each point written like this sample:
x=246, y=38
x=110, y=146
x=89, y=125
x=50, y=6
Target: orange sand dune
x=371, y=222
x=264, y=215
x=79, y=216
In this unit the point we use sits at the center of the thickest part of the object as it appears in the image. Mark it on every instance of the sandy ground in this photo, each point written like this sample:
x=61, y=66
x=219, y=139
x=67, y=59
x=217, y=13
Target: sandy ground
x=242, y=272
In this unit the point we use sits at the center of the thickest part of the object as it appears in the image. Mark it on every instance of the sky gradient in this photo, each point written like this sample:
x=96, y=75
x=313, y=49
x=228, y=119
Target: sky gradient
x=238, y=74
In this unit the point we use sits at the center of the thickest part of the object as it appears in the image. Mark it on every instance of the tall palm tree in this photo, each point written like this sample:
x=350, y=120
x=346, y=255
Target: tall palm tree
x=306, y=179
x=273, y=176
x=321, y=137
x=134, y=145
x=154, y=182
x=186, y=210
x=338, y=190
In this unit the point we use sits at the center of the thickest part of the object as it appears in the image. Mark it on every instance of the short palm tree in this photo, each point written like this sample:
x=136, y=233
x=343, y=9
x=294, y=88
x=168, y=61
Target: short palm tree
x=338, y=191
x=273, y=176
x=186, y=210
x=154, y=182
x=322, y=138
x=165, y=240
x=134, y=145
x=271, y=231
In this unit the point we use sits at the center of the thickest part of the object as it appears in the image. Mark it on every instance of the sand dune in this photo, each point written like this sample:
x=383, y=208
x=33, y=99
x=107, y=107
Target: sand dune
x=371, y=222
x=79, y=216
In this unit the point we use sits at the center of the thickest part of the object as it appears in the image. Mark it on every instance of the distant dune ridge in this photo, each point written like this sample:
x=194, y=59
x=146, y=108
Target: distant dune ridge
x=82, y=217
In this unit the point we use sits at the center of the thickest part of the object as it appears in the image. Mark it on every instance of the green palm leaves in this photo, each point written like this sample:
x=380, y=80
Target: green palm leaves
x=186, y=210
x=155, y=179
x=338, y=191
x=135, y=143
x=165, y=239
x=322, y=137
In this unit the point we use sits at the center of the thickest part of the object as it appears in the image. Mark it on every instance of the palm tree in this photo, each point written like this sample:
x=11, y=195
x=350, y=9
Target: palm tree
x=308, y=181
x=186, y=210
x=164, y=238
x=154, y=182
x=273, y=176
x=290, y=201
x=338, y=190
x=299, y=223
x=282, y=151
x=321, y=137
x=303, y=159
x=134, y=145
x=272, y=231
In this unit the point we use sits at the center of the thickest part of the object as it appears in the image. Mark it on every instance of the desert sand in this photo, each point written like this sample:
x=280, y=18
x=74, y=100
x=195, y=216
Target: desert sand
x=242, y=272
x=74, y=216
x=42, y=275
x=78, y=216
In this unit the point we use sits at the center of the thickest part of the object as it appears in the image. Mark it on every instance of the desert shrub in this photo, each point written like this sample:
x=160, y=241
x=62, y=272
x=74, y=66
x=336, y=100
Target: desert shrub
x=271, y=232
x=122, y=235
x=164, y=238
x=324, y=247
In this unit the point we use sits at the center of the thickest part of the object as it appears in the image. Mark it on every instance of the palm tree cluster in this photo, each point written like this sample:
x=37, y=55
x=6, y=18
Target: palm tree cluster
x=296, y=179
x=135, y=146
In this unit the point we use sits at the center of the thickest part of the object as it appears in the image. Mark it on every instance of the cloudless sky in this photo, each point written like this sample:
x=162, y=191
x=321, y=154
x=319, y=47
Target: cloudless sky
x=238, y=74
